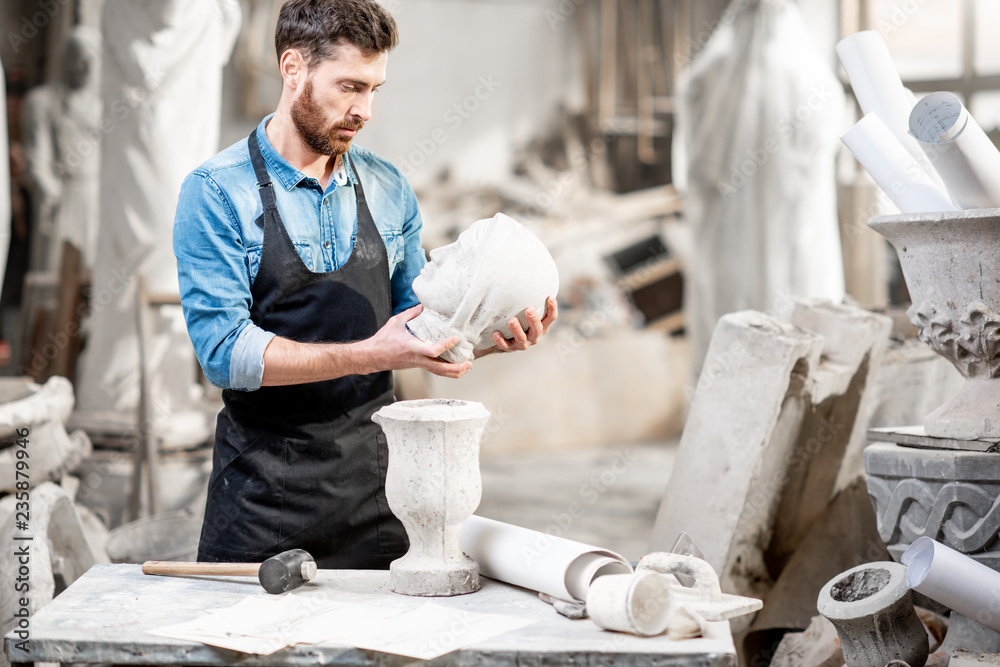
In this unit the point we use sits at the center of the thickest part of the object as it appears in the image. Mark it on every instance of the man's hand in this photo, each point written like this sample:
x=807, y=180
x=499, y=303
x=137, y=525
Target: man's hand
x=538, y=326
x=393, y=347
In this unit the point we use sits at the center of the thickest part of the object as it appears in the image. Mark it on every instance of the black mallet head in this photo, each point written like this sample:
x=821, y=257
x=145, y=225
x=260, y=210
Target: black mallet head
x=288, y=570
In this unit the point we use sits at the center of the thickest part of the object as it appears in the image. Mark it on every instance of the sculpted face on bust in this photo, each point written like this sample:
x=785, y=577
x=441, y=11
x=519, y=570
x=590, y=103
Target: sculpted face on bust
x=472, y=287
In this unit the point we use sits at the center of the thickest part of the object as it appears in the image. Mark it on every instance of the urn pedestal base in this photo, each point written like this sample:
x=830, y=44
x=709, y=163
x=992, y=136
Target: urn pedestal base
x=973, y=413
x=427, y=577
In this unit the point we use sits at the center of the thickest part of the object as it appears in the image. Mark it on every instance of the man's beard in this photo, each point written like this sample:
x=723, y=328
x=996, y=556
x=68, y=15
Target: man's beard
x=310, y=121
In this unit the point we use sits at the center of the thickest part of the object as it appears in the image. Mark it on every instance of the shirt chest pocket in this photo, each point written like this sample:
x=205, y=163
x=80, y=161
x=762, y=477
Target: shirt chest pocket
x=254, y=252
x=393, y=240
x=393, y=247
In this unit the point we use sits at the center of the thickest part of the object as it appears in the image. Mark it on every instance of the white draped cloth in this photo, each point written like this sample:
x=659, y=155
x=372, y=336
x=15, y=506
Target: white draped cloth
x=760, y=113
x=162, y=90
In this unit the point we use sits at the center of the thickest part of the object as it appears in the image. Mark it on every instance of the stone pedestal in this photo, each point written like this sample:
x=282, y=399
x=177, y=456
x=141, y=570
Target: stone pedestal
x=947, y=495
x=946, y=489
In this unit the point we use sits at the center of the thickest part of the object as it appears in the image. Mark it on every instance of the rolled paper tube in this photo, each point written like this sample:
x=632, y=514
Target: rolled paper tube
x=966, y=159
x=894, y=169
x=955, y=580
x=879, y=90
x=537, y=561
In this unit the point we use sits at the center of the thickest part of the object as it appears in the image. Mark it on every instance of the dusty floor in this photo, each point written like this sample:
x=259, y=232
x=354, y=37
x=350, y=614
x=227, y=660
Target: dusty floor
x=605, y=496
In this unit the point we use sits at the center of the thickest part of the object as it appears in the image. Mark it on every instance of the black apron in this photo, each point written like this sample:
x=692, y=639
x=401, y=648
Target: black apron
x=303, y=466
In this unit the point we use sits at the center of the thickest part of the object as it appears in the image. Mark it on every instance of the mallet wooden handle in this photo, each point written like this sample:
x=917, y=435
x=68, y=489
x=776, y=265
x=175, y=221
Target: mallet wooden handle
x=174, y=567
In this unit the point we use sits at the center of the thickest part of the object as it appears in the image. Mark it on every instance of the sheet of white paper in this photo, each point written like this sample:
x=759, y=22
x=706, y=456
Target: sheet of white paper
x=960, y=151
x=218, y=631
x=894, y=169
x=265, y=624
x=535, y=560
x=879, y=90
x=429, y=631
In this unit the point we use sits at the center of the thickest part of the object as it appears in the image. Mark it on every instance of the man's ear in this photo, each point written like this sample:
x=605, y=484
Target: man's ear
x=292, y=67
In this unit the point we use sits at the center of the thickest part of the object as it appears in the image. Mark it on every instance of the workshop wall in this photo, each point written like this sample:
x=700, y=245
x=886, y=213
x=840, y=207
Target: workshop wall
x=467, y=84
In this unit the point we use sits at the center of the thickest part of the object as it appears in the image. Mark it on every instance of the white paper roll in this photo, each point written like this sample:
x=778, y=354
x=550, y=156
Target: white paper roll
x=879, y=90
x=960, y=151
x=894, y=169
x=537, y=561
x=955, y=580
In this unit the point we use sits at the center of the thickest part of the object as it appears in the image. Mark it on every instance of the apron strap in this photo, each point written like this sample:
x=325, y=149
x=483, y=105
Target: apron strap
x=264, y=185
x=359, y=190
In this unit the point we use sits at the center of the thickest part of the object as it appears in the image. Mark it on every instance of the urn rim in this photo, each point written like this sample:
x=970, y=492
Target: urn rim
x=979, y=215
x=432, y=410
x=893, y=590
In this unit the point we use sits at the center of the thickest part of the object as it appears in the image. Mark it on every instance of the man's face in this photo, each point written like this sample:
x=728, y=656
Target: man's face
x=336, y=99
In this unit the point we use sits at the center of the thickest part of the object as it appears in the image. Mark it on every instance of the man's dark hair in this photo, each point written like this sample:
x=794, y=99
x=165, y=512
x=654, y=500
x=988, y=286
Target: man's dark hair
x=317, y=27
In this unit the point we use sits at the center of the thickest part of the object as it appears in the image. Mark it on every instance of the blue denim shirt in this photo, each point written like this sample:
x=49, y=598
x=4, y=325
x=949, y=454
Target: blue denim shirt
x=218, y=245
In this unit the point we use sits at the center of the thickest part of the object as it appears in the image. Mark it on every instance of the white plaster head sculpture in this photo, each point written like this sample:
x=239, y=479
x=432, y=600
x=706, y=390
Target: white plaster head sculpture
x=472, y=287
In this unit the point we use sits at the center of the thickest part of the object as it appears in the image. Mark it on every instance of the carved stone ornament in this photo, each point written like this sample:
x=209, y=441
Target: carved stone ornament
x=946, y=495
x=949, y=263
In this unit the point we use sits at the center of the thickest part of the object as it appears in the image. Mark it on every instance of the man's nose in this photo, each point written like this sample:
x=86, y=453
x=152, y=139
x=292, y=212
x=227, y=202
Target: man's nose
x=363, y=107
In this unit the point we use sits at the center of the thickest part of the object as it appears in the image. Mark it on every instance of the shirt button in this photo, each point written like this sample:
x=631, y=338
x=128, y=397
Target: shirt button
x=326, y=245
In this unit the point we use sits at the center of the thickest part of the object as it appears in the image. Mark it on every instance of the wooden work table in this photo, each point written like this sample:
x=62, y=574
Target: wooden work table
x=104, y=615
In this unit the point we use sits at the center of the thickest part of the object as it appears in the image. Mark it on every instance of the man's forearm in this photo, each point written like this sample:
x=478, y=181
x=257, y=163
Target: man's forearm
x=288, y=362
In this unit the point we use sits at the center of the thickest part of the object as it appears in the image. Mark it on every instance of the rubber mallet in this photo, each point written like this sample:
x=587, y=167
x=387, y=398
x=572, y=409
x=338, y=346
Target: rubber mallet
x=284, y=572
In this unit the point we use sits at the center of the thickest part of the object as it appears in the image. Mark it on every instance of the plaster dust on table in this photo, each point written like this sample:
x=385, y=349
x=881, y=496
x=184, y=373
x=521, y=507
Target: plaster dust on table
x=263, y=625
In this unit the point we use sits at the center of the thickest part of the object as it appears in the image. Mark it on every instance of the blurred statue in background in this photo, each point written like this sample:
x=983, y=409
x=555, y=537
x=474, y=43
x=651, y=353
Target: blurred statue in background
x=62, y=146
x=472, y=288
x=162, y=90
x=760, y=115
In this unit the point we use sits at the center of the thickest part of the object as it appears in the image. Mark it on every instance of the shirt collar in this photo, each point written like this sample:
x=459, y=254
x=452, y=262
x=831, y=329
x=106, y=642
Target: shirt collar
x=280, y=169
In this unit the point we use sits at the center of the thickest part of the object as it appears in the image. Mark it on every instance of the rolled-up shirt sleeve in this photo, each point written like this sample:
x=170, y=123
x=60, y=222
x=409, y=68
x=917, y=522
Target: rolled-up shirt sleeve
x=215, y=286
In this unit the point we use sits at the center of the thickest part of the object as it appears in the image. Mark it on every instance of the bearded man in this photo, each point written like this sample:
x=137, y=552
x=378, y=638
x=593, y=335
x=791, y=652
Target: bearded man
x=296, y=251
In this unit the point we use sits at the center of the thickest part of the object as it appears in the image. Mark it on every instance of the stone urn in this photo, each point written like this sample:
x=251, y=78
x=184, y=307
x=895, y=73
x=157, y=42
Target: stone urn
x=950, y=263
x=433, y=485
x=872, y=609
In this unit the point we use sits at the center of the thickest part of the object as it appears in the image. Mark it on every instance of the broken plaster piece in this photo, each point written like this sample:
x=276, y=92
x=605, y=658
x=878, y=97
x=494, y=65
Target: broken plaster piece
x=701, y=602
x=572, y=610
x=653, y=601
